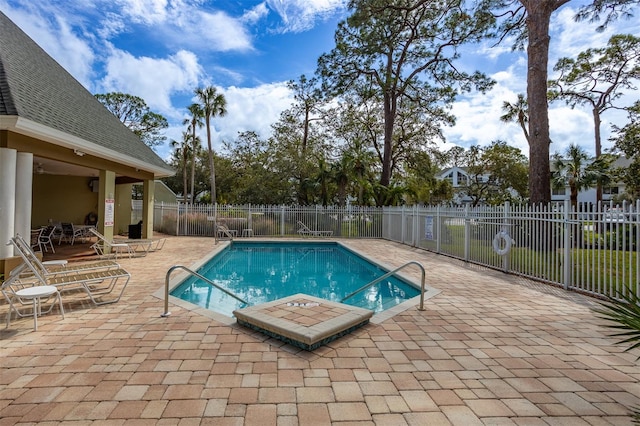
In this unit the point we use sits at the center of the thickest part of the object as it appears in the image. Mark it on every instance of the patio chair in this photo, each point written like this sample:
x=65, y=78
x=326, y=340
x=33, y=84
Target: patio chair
x=305, y=231
x=46, y=239
x=224, y=231
x=107, y=248
x=35, y=238
x=70, y=233
x=96, y=282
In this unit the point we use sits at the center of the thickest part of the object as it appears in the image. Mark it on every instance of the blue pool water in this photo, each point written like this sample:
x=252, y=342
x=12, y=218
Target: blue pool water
x=262, y=272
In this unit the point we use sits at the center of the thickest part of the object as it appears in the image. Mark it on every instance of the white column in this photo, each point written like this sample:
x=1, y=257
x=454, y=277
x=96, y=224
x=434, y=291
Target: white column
x=24, y=185
x=7, y=199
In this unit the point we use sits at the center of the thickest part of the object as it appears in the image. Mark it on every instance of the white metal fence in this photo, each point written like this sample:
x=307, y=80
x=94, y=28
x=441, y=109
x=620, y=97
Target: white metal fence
x=592, y=249
x=267, y=221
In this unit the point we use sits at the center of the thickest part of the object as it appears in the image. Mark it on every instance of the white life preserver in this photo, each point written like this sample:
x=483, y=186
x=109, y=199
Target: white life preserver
x=502, y=243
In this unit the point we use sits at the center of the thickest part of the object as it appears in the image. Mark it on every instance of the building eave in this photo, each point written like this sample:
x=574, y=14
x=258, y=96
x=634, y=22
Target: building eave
x=56, y=137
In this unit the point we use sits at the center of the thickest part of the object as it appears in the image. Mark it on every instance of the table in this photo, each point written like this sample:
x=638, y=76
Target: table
x=35, y=293
x=247, y=232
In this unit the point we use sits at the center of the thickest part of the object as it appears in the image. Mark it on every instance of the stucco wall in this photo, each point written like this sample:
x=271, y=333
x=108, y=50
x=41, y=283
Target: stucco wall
x=61, y=199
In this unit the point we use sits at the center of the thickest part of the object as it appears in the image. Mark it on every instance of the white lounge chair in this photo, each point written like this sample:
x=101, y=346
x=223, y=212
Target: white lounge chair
x=60, y=267
x=224, y=231
x=108, y=248
x=96, y=281
x=305, y=231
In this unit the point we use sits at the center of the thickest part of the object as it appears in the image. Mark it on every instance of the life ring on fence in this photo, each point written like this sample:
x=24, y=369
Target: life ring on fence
x=502, y=243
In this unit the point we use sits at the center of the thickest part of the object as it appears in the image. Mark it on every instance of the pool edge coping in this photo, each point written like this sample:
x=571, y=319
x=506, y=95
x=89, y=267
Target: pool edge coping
x=377, y=318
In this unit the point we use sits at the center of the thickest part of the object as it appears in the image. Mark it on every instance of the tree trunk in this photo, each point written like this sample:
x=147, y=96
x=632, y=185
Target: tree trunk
x=598, y=137
x=539, y=16
x=184, y=174
x=211, y=164
x=389, y=116
x=193, y=163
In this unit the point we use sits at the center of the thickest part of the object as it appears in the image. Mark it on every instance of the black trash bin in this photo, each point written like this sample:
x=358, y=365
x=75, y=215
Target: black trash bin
x=135, y=231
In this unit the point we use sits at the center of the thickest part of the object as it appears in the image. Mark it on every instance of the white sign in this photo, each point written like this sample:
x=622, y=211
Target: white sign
x=428, y=228
x=109, y=211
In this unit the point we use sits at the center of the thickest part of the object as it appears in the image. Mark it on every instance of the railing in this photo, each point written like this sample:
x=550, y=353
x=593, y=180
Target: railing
x=267, y=221
x=166, y=312
x=591, y=248
x=387, y=275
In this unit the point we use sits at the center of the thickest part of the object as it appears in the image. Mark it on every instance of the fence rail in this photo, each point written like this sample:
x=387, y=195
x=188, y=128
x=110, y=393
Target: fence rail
x=267, y=221
x=592, y=249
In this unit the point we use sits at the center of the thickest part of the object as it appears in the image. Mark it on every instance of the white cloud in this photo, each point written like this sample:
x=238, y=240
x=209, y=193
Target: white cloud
x=255, y=14
x=248, y=109
x=218, y=31
x=478, y=120
x=252, y=109
x=301, y=15
x=154, y=80
x=570, y=126
x=58, y=39
x=149, y=12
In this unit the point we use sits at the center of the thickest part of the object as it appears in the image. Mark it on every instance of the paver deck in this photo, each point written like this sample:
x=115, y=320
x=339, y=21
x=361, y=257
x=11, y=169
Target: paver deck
x=488, y=349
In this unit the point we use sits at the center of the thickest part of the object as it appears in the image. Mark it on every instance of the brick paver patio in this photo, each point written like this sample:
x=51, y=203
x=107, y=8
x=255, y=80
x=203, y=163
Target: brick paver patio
x=490, y=349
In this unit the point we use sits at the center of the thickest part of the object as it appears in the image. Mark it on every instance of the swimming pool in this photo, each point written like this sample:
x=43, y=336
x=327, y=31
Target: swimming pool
x=260, y=272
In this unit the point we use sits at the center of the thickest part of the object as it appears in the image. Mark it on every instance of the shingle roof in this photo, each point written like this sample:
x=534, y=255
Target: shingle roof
x=34, y=86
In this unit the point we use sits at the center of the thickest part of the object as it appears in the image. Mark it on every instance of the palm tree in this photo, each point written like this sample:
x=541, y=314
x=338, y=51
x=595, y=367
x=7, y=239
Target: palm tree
x=197, y=114
x=570, y=170
x=518, y=112
x=342, y=172
x=212, y=104
x=182, y=153
x=623, y=313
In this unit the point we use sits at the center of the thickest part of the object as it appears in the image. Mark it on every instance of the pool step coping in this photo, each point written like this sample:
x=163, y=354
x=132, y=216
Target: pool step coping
x=303, y=320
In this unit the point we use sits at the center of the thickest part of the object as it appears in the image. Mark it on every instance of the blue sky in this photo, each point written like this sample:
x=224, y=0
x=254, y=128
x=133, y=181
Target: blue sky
x=161, y=50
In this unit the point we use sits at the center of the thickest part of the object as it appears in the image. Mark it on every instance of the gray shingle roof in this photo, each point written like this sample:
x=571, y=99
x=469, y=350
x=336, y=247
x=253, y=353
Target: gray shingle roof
x=35, y=87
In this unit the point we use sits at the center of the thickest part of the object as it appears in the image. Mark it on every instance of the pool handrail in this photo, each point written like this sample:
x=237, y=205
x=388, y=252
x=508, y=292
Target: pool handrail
x=166, y=312
x=388, y=274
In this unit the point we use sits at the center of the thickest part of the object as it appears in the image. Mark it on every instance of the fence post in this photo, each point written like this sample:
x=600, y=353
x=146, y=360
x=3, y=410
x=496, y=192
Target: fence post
x=282, y=220
x=467, y=234
x=415, y=226
x=178, y=219
x=507, y=227
x=636, y=226
x=438, y=230
x=566, y=266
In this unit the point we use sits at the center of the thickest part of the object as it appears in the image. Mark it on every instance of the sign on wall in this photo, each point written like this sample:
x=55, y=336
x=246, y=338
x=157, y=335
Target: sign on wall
x=109, y=211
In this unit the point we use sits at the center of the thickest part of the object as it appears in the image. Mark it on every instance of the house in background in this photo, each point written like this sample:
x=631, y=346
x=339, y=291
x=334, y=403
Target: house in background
x=63, y=155
x=459, y=178
x=588, y=196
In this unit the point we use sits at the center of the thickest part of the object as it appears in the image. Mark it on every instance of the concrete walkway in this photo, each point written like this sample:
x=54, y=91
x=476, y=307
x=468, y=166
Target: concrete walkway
x=490, y=349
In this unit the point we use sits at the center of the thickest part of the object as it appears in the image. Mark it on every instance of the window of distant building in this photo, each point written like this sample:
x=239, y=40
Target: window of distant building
x=559, y=191
x=610, y=190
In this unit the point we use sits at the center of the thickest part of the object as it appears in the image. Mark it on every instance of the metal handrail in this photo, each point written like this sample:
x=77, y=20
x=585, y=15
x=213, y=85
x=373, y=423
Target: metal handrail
x=387, y=275
x=208, y=281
